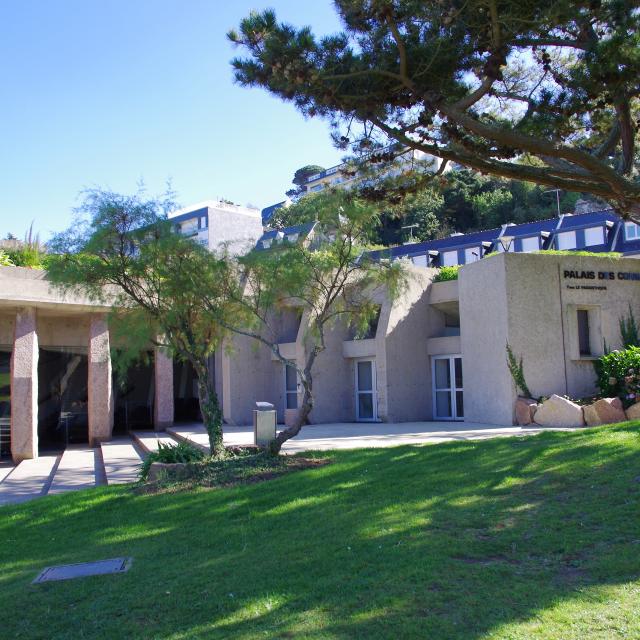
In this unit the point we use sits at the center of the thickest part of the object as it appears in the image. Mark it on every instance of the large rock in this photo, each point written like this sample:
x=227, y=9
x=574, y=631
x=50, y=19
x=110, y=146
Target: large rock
x=633, y=412
x=604, y=411
x=525, y=410
x=559, y=412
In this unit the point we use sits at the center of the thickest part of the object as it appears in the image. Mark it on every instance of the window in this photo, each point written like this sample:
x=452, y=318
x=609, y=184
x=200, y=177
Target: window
x=266, y=244
x=530, y=244
x=317, y=187
x=420, y=261
x=203, y=222
x=472, y=254
x=594, y=236
x=449, y=258
x=584, y=333
x=566, y=240
x=631, y=231
x=291, y=387
x=368, y=332
x=293, y=237
x=366, y=400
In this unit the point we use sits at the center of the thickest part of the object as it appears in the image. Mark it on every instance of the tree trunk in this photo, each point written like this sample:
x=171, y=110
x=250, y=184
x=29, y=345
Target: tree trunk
x=301, y=419
x=209, y=407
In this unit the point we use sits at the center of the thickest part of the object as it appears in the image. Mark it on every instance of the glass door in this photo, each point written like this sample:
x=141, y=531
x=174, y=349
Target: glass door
x=366, y=403
x=448, y=402
x=290, y=387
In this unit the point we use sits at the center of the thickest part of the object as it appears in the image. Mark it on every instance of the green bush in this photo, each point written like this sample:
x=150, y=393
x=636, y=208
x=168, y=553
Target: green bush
x=446, y=273
x=619, y=375
x=5, y=260
x=169, y=453
x=27, y=256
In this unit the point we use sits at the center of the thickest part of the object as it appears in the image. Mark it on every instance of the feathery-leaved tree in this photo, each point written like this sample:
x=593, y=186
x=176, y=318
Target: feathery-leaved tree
x=545, y=91
x=327, y=275
x=123, y=252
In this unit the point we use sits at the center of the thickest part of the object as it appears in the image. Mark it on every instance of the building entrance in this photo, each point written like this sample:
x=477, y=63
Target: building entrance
x=62, y=397
x=5, y=401
x=448, y=396
x=133, y=394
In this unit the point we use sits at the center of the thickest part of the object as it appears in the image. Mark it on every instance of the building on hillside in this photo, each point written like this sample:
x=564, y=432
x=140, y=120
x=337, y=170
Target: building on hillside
x=342, y=176
x=599, y=232
x=217, y=224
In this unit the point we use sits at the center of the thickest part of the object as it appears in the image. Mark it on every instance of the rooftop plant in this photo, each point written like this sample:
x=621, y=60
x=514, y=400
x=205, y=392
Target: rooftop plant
x=446, y=273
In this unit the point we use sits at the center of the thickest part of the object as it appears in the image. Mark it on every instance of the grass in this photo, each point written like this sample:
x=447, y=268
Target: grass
x=508, y=538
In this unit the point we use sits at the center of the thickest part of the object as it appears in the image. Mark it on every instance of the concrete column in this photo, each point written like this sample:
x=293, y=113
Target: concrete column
x=24, y=387
x=101, y=404
x=163, y=401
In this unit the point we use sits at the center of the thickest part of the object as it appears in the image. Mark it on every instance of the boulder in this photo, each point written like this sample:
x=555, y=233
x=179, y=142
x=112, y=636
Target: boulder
x=604, y=411
x=559, y=412
x=525, y=410
x=633, y=412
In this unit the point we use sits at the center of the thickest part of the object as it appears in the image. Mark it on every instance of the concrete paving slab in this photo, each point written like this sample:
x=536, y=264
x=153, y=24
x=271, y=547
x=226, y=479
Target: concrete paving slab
x=149, y=440
x=5, y=469
x=77, y=470
x=356, y=435
x=194, y=433
x=28, y=480
x=121, y=461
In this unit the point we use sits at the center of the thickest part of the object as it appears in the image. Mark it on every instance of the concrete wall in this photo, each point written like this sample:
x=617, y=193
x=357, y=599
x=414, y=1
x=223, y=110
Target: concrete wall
x=237, y=228
x=489, y=392
x=530, y=301
x=543, y=320
x=408, y=375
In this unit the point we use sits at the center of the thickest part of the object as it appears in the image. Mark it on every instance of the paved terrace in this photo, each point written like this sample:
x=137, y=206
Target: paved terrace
x=118, y=461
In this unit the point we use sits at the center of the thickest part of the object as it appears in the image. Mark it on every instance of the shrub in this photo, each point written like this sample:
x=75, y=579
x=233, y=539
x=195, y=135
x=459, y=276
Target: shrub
x=5, y=260
x=619, y=375
x=516, y=369
x=629, y=333
x=169, y=453
x=446, y=273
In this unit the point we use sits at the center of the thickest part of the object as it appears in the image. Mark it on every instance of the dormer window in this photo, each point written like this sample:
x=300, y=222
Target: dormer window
x=472, y=254
x=631, y=231
x=266, y=244
x=566, y=240
x=530, y=244
x=594, y=236
x=293, y=237
x=449, y=258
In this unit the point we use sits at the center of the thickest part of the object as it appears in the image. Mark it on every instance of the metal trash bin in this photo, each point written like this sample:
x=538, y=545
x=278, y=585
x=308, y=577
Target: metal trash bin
x=264, y=424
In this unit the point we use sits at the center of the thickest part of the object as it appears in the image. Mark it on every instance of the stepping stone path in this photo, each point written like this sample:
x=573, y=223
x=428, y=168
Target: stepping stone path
x=78, y=467
x=77, y=470
x=30, y=479
x=121, y=461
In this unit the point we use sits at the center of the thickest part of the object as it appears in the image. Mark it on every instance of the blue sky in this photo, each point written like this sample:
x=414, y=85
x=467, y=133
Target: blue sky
x=105, y=93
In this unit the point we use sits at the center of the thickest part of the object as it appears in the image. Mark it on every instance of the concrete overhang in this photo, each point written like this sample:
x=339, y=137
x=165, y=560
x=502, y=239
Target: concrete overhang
x=444, y=295
x=21, y=286
x=359, y=348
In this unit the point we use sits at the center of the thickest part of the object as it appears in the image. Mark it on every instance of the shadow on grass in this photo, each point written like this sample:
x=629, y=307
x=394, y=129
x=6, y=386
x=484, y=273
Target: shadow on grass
x=448, y=541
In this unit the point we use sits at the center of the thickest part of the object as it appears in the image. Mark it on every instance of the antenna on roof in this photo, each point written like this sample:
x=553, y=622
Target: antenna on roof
x=557, y=192
x=411, y=227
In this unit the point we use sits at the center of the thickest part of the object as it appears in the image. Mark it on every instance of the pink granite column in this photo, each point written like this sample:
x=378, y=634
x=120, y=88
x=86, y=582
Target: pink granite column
x=100, y=391
x=163, y=401
x=24, y=387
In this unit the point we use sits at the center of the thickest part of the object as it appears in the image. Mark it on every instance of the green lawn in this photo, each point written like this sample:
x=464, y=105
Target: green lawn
x=507, y=538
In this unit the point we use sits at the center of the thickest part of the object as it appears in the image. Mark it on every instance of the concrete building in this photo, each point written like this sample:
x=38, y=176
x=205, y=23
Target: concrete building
x=435, y=353
x=217, y=224
x=439, y=351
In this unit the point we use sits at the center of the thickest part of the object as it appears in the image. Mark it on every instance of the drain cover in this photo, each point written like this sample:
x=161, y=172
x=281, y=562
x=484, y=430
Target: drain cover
x=83, y=569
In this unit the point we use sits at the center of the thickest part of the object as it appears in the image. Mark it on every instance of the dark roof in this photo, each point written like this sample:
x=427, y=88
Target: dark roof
x=302, y=230
x=267, y=212
x=615, y=239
